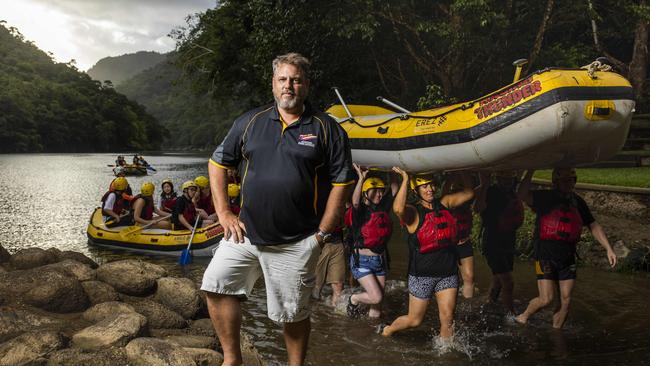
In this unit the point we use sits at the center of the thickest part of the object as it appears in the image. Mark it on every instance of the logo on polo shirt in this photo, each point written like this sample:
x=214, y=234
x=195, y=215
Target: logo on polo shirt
x=307, y=140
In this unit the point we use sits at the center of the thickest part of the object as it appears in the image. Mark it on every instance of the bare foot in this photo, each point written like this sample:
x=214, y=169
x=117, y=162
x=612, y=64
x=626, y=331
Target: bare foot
x=521, y=319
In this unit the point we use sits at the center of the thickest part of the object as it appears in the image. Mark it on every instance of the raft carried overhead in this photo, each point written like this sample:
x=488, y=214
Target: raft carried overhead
x=152, y=241
x=553, y=117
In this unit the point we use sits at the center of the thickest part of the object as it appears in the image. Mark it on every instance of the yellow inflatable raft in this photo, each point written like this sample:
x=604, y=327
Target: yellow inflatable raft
x=553, y=117
x=152, y=241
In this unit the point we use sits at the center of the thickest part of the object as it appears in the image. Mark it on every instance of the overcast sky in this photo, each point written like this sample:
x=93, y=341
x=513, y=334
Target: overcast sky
x=88, y=30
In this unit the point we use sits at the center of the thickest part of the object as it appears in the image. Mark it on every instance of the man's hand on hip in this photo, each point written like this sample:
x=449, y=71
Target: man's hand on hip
x=232, y=226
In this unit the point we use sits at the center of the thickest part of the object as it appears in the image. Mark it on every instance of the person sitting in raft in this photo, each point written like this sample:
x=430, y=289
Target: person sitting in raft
x=464, y=221
x=114, y=207
x=185, y=213
x=561, y=214
x=433, y=260
x=136, y=160
x=203, y=199
x=167, y=196
x=127, y=194
x=144, y=208
x=371, y=230
x=120, y=161
x=502, y=213
x=233, y=197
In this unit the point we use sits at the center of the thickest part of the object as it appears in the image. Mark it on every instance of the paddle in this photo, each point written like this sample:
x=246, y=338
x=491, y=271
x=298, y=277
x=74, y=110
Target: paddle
x=186, y=255
x=132, y=229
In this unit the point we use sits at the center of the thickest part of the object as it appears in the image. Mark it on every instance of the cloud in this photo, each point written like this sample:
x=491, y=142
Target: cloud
x=88, y=30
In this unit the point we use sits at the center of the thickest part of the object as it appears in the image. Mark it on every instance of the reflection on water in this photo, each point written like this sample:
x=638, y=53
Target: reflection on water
x=46, y=201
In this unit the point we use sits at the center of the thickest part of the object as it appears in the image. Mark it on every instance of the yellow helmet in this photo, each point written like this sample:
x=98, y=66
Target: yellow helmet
x=167, y=180
x=233, y=190
x=188, y=184
x=120, y=184
x=372, y=182
x=418, y=180
x=147, y=189
x=202, y=181
x=562, y=173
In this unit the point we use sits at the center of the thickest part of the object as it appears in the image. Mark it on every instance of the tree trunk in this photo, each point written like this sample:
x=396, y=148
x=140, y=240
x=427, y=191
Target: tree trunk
x=537, y=46
x=638, y=66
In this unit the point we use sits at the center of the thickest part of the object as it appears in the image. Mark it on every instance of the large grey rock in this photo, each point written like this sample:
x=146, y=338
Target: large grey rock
x=49, y=289
x=202, y=327
x=31, y=258
x=80, y=357
x=131, y=277
x=250, y=354
x=81, y=271
x=158, y=315
x=30, y=347
x=79, y=257
x=192, y=341
x=205, y=357
x=155, y=352
x=4, y=255
x=99, y=312
x=179, y=294
x=99, y=292
x=115, y=331
x=15, y=321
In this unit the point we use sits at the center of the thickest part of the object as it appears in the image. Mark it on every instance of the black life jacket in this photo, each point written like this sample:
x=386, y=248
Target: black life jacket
x=464, y=220
x=563, y=223
x=437, y=228
x=512, y=215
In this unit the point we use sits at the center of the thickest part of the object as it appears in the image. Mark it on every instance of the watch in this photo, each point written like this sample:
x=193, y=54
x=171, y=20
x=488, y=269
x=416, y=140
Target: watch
x=325, y=235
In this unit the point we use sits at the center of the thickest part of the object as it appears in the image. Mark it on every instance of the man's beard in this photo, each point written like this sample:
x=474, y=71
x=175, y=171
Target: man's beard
x=289, y=103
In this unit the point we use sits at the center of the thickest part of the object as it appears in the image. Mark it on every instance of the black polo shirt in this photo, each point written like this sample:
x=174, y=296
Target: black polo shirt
x=287, y=171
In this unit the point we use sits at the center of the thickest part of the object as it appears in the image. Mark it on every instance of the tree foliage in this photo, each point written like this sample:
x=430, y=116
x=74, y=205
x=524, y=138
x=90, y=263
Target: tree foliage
x=52, y=107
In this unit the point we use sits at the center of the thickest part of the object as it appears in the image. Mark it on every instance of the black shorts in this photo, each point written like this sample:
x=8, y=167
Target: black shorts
x=465, y=250
x=500, y=262
x=552, y=270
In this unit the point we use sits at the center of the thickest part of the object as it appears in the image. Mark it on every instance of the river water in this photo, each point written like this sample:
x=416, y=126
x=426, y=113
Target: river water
x=46, y=201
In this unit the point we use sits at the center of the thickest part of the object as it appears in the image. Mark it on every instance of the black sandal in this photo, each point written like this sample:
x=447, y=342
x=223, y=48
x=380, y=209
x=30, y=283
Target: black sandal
x=352, y=309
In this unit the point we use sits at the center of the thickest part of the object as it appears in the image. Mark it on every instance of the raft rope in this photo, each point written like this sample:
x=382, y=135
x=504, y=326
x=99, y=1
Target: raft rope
x=596, y=66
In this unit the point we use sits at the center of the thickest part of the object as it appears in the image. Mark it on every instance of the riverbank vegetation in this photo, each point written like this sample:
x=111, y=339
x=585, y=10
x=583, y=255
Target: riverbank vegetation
x=625, y=177
x=52, y=107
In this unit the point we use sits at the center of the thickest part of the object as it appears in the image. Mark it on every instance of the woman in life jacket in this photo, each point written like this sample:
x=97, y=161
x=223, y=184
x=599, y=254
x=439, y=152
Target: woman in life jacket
x=561, y=214
x=127, y=194
x=464, y=221
x=203, y=199
x=115, y=208
x=502, y=213
x=185, y=213
x=144, y=208
x=433, y=260
x=167, y=196
x=371, y=230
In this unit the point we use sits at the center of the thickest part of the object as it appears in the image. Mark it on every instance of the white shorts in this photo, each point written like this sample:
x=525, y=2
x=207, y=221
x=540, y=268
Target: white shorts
x=288, y=269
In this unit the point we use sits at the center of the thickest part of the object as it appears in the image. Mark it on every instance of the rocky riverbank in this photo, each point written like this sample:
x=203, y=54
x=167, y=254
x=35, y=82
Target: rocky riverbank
x=61, y=308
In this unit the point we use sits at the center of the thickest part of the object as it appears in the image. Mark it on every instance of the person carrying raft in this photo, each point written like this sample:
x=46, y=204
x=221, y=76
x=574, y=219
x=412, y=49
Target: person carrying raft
x=144, y=208
x=501, y=214
x=371, y=230
x=167, y=196
x=115, y=207
x=185, y=213
x=433, y=260
x=561, y=214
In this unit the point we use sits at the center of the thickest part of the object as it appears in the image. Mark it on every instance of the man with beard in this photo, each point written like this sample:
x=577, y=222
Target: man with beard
x=296, y=168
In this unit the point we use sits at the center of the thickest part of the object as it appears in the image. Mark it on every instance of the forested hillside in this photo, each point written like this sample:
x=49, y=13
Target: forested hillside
x=120, y=68
x=194, y=119
x=52, y=107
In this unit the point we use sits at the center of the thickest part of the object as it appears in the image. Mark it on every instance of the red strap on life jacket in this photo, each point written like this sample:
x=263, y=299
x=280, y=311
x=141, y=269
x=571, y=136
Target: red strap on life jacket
x=562, y=224
x=438, y=230
x=377, y=230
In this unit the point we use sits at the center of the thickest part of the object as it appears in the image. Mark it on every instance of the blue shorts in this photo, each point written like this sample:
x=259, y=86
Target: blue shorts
x=424, y=287
x=368, y=264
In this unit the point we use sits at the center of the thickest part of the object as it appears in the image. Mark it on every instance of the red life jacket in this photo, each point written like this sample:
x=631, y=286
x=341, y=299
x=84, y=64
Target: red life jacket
x=167, y=203
x=562, y=224
x=120, y=203
x=437, y=228
x=347, y=217
x=375, y=232
x=190, y=212
x=512, y=216
x=147, y=210
x=464, y=220
x=206, y=204
x=234, y=208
